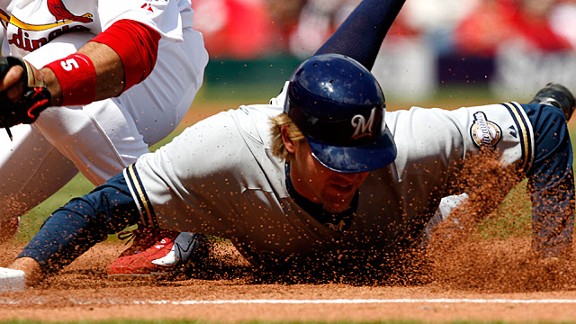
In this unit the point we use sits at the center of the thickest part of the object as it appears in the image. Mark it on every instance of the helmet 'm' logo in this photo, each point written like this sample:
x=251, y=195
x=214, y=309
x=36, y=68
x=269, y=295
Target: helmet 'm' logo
x=362, y=126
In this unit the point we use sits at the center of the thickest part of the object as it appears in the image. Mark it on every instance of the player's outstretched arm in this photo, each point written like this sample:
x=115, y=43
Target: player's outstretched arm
x=112, y=62
x=77, y=226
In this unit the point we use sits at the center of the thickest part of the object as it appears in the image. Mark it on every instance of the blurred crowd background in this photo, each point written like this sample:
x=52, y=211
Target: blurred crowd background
x=510, y=46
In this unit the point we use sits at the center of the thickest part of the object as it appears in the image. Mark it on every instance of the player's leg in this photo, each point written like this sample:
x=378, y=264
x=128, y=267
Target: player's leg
x=166, y=95
x=360, y=36
x=104, y=137
x=100, y=139
x=159, y=103
x=31, y=170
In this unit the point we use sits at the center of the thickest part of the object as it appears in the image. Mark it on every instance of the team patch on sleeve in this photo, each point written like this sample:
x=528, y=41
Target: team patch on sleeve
x=505, y=128
x=485, y=133
x=138, y=192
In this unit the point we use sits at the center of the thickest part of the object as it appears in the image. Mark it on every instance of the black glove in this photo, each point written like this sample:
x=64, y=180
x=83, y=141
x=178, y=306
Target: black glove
x=34, y=100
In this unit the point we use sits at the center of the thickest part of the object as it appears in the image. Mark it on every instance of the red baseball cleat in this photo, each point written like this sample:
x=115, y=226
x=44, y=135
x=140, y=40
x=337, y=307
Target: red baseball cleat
x=157, y=252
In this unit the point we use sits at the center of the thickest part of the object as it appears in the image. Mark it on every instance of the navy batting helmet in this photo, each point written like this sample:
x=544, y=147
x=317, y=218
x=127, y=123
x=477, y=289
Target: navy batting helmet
x=339, y=107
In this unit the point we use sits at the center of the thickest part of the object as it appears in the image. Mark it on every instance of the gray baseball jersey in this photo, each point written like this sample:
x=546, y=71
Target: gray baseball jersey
x=219, y=177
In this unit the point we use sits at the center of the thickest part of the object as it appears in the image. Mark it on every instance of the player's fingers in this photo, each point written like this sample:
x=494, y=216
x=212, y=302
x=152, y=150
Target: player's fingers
x=12, y=83
x=14, y=74
x=16, y=92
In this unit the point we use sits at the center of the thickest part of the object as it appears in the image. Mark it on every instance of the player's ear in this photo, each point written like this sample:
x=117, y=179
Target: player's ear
x=287, y=140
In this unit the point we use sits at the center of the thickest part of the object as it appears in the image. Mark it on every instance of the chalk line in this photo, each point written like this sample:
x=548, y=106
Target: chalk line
x=108, y=301
x=361, y=301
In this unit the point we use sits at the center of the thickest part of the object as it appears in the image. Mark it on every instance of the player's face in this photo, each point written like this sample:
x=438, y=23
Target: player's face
x=333, y=190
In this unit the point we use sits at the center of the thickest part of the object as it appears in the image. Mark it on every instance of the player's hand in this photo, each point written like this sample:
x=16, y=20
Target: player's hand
x=12, y=84
x=23, y=93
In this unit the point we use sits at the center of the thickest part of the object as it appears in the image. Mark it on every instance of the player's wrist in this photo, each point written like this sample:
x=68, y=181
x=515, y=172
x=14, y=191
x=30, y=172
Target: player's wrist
x=76, y=79
x=53, y=86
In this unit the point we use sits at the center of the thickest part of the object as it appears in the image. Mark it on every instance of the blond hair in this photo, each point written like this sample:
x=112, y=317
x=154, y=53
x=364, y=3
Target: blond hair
x=278, y=148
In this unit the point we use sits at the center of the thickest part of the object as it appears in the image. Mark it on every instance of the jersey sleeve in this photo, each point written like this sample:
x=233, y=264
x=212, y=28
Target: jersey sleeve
x=167, y=17
x=504, y=128
x=436, y=141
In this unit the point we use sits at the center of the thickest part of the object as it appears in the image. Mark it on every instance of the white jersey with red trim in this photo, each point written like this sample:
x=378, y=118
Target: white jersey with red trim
x=219, y=177
x=101, y=138
x=30, y=24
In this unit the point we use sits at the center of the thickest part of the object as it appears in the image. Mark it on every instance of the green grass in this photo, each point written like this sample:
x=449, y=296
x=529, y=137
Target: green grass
x=512, y=218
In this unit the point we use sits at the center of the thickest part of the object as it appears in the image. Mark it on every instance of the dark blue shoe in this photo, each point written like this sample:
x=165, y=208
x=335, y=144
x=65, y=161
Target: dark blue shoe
x=556, y=95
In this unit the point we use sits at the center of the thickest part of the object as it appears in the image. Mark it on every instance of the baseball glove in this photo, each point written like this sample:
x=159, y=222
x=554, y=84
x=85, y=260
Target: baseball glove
x=34, y=100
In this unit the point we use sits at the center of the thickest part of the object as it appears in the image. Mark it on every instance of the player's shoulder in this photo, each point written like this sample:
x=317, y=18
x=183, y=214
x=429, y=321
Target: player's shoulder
x=254, y=121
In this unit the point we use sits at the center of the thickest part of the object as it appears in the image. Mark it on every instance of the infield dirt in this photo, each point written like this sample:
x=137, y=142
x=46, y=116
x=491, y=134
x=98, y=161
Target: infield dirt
x=492, y=278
